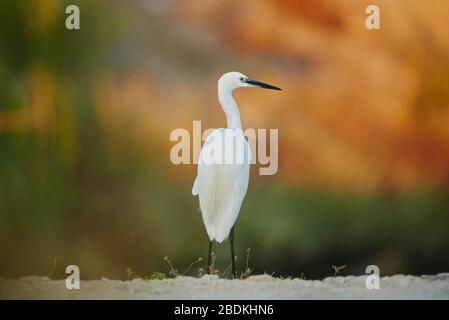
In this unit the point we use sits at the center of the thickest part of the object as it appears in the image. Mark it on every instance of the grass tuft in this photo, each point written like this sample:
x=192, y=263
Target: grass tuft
x=247, y=272
x=172, y=272
x=192, y=264
x=157, y=276
x=337, y=269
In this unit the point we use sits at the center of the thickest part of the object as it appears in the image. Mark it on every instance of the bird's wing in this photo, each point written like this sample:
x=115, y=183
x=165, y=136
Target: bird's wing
x=206, y=149
x=221, y=189
x=229, y=215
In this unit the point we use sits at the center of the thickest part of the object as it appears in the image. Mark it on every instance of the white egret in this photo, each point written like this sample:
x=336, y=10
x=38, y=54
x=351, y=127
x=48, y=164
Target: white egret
x=223, y=167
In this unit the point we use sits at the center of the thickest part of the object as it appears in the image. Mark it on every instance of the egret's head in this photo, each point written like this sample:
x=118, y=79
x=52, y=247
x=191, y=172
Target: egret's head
x=234, y=80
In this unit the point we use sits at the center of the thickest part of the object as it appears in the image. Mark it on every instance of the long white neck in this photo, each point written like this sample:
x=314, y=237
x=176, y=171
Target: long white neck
x=229, y=107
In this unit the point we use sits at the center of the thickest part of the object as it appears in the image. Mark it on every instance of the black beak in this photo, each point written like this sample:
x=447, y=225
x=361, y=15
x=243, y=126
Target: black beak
x=261, y=84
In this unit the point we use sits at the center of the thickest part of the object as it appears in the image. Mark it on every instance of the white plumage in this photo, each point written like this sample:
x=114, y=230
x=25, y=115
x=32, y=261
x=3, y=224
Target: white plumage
x=221, y=185
x=223, y=166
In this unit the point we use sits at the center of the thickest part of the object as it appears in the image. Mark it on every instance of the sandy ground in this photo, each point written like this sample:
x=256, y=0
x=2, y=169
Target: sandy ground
x=211, y=287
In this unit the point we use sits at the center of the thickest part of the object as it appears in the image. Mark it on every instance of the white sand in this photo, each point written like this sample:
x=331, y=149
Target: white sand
x=211, y=287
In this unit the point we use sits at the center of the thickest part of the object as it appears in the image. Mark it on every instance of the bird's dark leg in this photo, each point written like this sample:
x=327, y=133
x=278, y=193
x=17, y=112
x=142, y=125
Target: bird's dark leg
x=231, y=240
x=210, y=257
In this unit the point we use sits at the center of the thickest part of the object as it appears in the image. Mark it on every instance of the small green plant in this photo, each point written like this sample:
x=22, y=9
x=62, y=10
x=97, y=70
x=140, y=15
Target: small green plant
x=227, y=270
x=337, y=269
x=172, y=272
x=192, y=264
x=156, y=276
x=131, y=275
x=247, y=272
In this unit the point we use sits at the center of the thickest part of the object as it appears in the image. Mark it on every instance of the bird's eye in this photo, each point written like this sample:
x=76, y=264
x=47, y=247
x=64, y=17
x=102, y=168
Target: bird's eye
x=241, y=78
